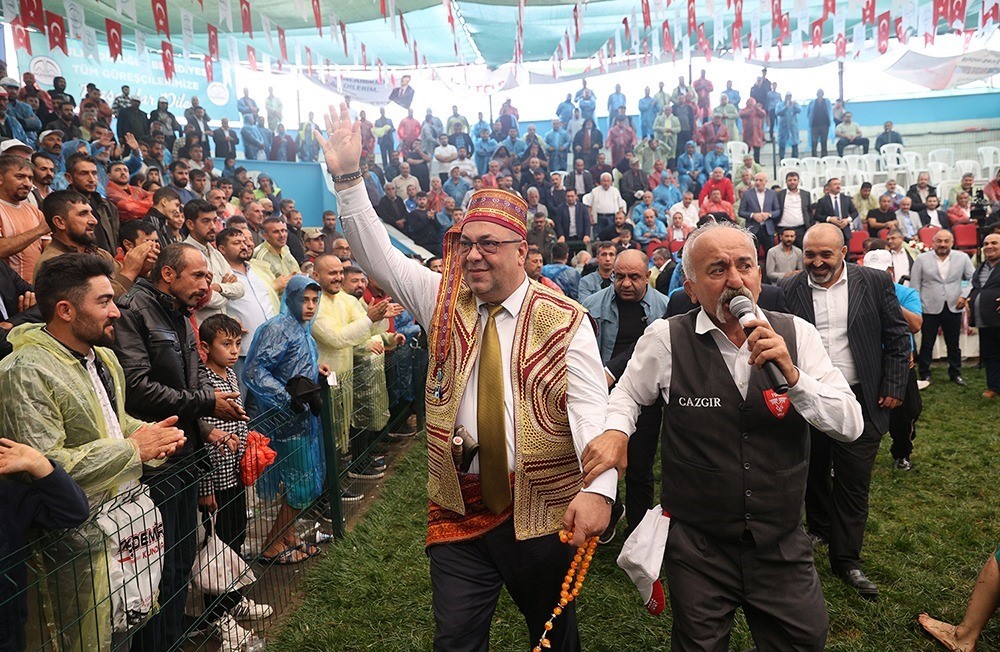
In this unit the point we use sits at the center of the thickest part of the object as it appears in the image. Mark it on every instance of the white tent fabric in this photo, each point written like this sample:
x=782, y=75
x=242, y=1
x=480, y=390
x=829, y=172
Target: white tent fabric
x=938, y=73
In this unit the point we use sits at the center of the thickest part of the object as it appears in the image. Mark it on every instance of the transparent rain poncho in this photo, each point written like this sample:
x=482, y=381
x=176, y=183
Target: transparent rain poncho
x=282, y=348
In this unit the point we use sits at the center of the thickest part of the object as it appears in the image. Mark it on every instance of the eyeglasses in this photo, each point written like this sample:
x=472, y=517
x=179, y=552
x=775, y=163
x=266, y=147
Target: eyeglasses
x=484, y=246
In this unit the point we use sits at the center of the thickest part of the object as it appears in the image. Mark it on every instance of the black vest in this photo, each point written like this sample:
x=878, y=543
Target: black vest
x=730, y=464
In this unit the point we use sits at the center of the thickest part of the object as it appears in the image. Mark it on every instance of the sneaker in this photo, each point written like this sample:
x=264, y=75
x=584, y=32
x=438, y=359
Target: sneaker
x=348, y=496
x=378, y=464
x=247, y=609
x=617, y=512
x=368, y=473
x=232, y=636
x=923, y=384
x=902, y=464
x=402, y=435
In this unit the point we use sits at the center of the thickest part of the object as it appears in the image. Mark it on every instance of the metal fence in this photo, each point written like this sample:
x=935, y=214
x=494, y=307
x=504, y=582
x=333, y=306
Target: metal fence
x=95, y=587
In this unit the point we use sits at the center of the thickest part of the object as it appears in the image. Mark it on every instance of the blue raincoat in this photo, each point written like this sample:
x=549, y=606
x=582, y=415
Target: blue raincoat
x=788, y=123
x=690, y=159
x=282, y=348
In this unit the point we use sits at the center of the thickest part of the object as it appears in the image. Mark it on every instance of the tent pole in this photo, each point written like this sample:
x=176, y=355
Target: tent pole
x=491, y=108
x=840, y=78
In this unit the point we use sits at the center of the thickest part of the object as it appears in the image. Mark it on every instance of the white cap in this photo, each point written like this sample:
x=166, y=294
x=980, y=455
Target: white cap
x=9, y=81
x=13, y=143
x=45, y=133
x=878, y=259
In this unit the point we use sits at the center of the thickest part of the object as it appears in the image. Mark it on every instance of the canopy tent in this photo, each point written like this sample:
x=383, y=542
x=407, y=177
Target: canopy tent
x=938, y=73
x=365, y=33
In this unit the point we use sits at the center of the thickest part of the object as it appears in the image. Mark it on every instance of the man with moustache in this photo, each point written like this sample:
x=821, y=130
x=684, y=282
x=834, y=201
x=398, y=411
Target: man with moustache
x=21, y=225
x=199, y=218
x=43, y=175
x=859, y=319
x=735, y=453
x=154, y=343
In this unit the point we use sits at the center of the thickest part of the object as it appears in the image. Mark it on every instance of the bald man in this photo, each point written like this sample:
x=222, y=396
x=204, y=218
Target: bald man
x=760, y=207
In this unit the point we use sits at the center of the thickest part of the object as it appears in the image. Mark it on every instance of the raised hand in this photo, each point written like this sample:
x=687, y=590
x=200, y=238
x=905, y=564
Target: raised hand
x=342, y=144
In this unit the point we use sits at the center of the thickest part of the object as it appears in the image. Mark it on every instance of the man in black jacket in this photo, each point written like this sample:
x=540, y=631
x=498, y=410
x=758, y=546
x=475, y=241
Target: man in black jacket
x=155, y=345
x=985, y=302
x=81, y=171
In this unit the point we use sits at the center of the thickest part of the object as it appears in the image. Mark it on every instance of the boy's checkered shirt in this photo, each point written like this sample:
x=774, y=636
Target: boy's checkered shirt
x=225, y=473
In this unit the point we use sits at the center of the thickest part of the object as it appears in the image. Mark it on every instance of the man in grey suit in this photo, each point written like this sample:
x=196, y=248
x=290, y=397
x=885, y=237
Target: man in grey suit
x=937, y=275
x=858, y=317
x=796, y=208
x=760, y=208
x=580, y=178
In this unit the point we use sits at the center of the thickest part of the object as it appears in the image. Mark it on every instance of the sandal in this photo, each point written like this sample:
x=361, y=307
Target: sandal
x=309, y=549
x=284, y=558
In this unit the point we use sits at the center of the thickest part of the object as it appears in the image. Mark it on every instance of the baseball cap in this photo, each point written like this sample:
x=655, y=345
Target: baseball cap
x=312, y=232
x=878, y=259
x=9, y=81
x=45, y=133
x=10, y=144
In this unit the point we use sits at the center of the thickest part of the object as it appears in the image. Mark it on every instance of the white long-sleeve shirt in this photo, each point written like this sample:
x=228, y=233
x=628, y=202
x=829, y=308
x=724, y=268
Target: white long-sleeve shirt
x=822, y=395
x=416, y=288
x=220, y=268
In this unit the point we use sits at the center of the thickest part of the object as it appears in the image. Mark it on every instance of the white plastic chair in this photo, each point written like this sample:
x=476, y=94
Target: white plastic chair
x=839, y=173
x=944, y=155
x=876, y=166
x=895, y=164
x=812, y=165
x=914, y=161
x=939, y=172
x=878, y=189
x=833, y=162
x=989, y=158
x=944, y=190
x=805, y=179
x=736, y=150
x=855, y=168
x=966, y=165
x=790, y=163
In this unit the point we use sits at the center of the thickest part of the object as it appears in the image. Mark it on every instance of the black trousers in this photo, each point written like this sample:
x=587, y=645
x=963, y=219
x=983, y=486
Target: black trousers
x=950, y=324
x=776, y=585
x=843, y=142
x=903, y=420
x=781, y=151
x=989, y=353
x=467, y=578
x=837, y=508
x=175, y=494
x=639, y=480
x=817, y=138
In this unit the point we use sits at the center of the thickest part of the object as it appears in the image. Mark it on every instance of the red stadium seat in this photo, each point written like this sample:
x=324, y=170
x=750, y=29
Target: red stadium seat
x=676, y=245
x=856, y=249
x=653, y=246
x=966, y=237
x=882, y=233
x=926, y=235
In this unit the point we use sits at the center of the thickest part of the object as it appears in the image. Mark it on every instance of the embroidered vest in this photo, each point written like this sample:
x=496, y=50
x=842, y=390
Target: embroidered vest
x=547, y=472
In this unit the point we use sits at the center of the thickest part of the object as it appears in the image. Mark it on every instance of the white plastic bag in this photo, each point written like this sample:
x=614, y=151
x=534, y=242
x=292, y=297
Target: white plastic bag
x=134, y=529
x=642, y=556
x=219, y=569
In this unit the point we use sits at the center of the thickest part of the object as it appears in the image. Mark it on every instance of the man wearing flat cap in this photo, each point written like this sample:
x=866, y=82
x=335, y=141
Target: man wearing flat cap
x=493, y=372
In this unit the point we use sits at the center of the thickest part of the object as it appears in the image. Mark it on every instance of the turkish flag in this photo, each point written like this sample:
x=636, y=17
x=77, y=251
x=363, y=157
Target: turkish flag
x=318, y=15
x=736, y=41
x=55, y=27
x=900, y=31
x=786, y=28
x=161, y=19
x=22, y=40
x=816, y=29
x=868, y=12
x=252, y=58
x=692, y=18
x=209, y=70
x=213, y=41
x=402, y=29
x=991, y=11
x=309, y=61
x=32, y=14
x=957, y=17
x=884, y=21
x=167, y=56
x=829, y=7
x=647, y=19
x=841, y=43
x=668, y=40
x=775, y=12
x=738, y=13
x=628, y=33
x=752, y=47
x=245, y=18
x=364, y=57
x=282, y=45
x=114, y=32
x=942, y=9
x=343, y=36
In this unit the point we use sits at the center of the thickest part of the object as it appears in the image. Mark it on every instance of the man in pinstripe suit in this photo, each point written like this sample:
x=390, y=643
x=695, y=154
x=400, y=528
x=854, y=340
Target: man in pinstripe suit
x=862, y=327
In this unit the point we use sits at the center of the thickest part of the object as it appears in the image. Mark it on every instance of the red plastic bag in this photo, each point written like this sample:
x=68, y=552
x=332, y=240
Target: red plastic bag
x=256, y=458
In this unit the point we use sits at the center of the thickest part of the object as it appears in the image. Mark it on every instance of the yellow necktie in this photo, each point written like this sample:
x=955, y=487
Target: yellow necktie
x=490, y=421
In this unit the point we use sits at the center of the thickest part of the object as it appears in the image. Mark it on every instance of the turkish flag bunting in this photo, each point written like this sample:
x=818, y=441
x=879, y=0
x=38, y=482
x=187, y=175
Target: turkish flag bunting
x=55, y=27
x=738, y=13
x=666, y=38
x=213, y=41
x=309, y=61
x=252, y=58
x=928, y=38
x=647, y=19
x=752, y=47
x=22, y=40
x=114, y=33
x=991, y=11
x=167, y=56
x=703, y=43
x=957, y=17
x=882, y=40
x=318, y=15
x=841, y=43
x=816, y=29
x=628, y=32
x=402, y=28
x=868, y=12
x=245, y=18
x=282, y=45
x=786, y=28
x=775, y=12
x=343, y=36
x=736, y=41
x=161, y=19
x=576, y=22
x=32, y=14
x=381, y=77
x=209, y=70
x=900, y=30
x=829, y=7
x=364, y=57
x=941, y=9
x=692, y=17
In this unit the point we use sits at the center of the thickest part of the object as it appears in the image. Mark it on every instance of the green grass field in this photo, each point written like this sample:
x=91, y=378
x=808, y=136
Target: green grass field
x=929, y=533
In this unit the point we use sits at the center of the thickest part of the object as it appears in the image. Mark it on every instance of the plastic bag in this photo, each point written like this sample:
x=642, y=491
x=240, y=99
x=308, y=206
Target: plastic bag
x=257, y=456
x=642, y=556
x=219, y=569
x=134, y=528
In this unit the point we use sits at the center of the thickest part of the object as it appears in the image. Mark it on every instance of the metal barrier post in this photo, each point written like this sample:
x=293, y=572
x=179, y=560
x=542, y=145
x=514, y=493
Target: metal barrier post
x=332, y=463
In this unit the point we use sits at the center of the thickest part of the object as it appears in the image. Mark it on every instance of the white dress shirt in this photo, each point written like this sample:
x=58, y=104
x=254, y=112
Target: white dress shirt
x=791, y=214
x=220, y=268
x=943, y=264
x=822, y=396
x=900, y=263
x=830, y=309
x=416, y=288
x=933, y=219
x=254, y=307
x=690, y=212
x=603, y=202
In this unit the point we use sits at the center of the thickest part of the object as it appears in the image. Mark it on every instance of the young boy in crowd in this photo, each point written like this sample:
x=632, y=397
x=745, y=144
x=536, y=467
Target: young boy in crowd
x=36, y=493
x=221, y=491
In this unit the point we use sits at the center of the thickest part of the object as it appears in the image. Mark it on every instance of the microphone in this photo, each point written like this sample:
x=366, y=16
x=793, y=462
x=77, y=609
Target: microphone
x=742, y=309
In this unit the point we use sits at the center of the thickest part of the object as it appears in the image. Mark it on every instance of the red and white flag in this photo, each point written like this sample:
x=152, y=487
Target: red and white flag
x=213, y=41
x=282, y=45
x=692, y=17
x=882, y=40
x=785, y=25
x=738, y=13
x=990, y=12
x=161, y=19
x=167, y=56
x=209, y=69
x=901, y=35
x=252, y=58
x=113, y=30
x=647, y=19
x=32, y=14
x=55, y=27
x=318, y=15
x=957, y=17
x=841, y=44
x=829, y=8
x=868, y=12
x=309, y=61
x=816, y=29
x=22, y=40
x=667, y=39
x=245, y=18
x=941, y=9
x=343, y=36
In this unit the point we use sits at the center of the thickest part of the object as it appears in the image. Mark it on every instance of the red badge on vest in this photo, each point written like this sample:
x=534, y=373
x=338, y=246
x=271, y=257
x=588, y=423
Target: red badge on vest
x=777, y=403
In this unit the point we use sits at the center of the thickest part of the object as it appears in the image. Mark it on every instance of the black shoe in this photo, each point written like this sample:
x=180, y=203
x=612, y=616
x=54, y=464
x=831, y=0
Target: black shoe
x=926, y=377
x=348, y=496
x=856, y=579
x=617, y=511
x=368, y=473
x=958, y=380
x=819, y=539
x=902, y=464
